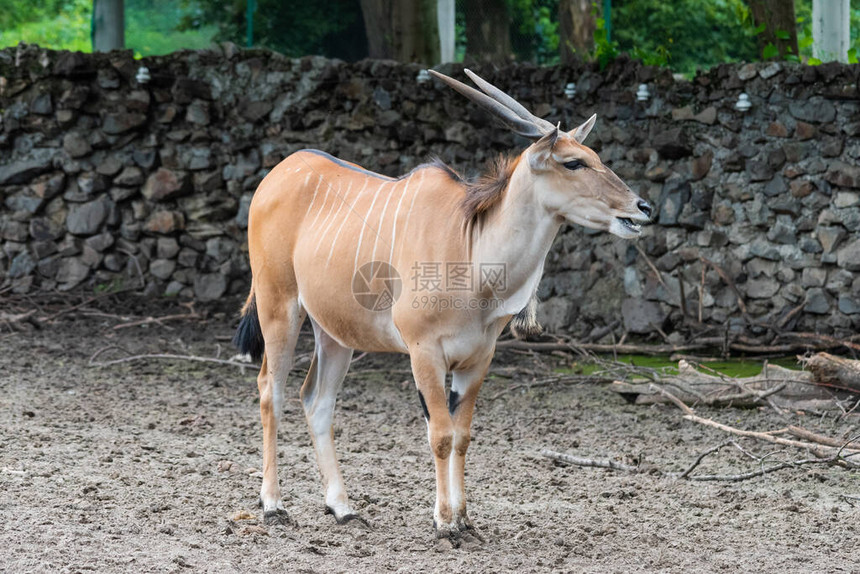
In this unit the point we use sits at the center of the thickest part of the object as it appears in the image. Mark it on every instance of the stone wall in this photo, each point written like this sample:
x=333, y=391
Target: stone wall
x=105, y=182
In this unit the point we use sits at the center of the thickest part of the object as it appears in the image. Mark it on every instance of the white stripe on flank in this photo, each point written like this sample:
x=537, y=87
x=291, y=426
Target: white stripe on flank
x=328, y=187
x=394, y=224
x=411, y=205
x=315, y=194
x=332, y=217
x=364, y=226
x=344, y=220
x=381, y=222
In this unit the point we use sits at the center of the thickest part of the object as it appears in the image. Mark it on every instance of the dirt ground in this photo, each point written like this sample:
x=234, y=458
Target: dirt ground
x=146, y=466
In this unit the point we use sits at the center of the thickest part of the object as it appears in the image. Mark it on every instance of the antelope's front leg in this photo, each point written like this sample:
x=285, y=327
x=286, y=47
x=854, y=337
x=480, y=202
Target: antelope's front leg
x=461, y=404
x=429, y=370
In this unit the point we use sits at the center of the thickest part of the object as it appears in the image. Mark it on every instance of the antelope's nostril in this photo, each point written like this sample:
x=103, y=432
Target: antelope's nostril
x=645, y=207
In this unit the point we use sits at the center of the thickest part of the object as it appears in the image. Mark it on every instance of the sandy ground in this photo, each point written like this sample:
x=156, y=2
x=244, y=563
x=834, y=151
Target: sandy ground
x=146, y=466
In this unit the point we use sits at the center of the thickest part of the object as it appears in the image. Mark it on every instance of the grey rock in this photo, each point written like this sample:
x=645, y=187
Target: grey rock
x=130, y=176
x=76, y=145
x=198, y=113
x=244, y=208
x=830, y=237
x=22, y=264
x=24, y=202
x=210, y=286
x=173, y=289
x=775, y=186
x=813, y=110
x=162, y=268
x=848, y=256
x=71, y=272
x=641, y=316
x=759, y=170
x=100, y=242
x=167, y=247
x=45, y=229
x=849, y=304
x=846, y=199
x=166, y=184
x=818, y=302
x=86, y=218
x=783, y=231
x=255, y=111
x=121, y=122
x=42, y=104
x=763, y=288
x=810, y=245
x=555, y=313
x=110, y=166
x=770, y=70
x=843, y=174
x=22, y=171
x=382, y=98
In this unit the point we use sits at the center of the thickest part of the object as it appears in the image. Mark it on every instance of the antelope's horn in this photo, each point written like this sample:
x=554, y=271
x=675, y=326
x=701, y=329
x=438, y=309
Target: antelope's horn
x=509, y=102
x=526, y=128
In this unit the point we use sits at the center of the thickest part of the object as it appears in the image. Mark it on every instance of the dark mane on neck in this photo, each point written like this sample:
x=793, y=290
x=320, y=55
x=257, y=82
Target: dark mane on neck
x=487, y=190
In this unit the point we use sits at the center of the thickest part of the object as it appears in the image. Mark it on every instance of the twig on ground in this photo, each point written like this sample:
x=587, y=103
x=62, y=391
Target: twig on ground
x=590, y=462
x=701, y=457
x=171, y=357
x=158, y=320
x=818, y=450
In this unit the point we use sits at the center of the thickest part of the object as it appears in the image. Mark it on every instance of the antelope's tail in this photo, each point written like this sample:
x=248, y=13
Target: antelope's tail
x=249, y=336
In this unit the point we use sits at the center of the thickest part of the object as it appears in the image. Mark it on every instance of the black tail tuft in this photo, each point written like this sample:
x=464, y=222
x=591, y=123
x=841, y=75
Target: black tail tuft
x=249, y=337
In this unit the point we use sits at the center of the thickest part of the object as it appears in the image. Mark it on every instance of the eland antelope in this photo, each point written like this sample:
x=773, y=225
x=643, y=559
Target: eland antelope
x=369, y=259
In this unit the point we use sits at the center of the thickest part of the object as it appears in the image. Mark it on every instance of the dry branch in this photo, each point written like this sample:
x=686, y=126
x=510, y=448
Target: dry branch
x=777, y=386
x=590, y=462
x=818, y=448
x=835, y=372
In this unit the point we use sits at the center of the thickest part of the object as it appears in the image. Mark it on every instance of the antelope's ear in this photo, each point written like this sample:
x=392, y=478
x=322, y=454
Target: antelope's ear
x=541, y=151
x=580, y=133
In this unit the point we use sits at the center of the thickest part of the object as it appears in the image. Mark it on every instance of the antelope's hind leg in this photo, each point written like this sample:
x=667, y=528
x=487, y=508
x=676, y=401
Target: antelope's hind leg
x=319, y=394
x=280, y=325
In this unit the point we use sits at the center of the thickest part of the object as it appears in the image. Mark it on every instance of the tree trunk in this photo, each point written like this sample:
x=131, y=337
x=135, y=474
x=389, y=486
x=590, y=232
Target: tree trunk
x=400, y=30
x=576, y=27
x=108, y=31
x=779, y=20
x=488, y=36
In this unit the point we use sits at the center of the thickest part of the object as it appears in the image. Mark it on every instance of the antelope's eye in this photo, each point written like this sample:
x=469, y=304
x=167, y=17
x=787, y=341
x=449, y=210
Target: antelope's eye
x=573, y=165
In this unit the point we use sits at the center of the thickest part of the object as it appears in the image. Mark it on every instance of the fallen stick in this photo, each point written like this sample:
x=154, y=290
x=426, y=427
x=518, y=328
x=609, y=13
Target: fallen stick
x=172, y=357
x=835, y=372
x=590, y=462
x=685, y=475
x=815, y=449
x=159, y=320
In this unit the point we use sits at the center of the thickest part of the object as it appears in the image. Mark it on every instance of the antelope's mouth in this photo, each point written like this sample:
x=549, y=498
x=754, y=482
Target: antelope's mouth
x=629, y=225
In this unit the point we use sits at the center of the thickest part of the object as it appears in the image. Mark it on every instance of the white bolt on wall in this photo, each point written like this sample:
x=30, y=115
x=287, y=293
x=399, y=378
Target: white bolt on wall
x=831, y=33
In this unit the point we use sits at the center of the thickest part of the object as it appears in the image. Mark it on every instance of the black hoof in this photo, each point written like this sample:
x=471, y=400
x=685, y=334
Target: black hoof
x=277, y=517
x=352, y=517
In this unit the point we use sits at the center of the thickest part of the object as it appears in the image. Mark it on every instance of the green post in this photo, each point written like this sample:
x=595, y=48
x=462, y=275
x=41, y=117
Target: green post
x=607, y=18
x=252, y=7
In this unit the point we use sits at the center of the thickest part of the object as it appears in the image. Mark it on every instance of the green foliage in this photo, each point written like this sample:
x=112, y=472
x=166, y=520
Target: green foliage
x=688, y=33
x=534, y=30
x=51, y=24
x=151, y=28
x=296, y=28
x=65, y=25
x=605, y=50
